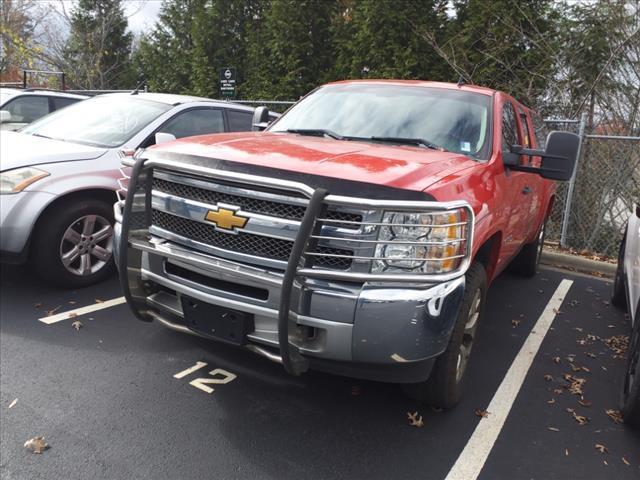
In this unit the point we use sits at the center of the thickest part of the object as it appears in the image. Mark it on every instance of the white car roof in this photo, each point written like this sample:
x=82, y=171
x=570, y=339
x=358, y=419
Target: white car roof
x=173, y=99
x=8, y=93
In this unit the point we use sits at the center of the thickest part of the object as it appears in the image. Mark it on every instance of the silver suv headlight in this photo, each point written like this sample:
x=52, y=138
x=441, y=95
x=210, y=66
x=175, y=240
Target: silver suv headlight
x=427, y=243
x=16, y=180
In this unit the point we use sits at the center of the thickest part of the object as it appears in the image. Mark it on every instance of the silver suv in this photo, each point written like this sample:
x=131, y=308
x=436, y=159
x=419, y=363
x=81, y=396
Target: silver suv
x=20, y=107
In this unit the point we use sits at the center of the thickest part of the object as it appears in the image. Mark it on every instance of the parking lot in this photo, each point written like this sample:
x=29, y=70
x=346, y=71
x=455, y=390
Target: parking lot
x=106, y=399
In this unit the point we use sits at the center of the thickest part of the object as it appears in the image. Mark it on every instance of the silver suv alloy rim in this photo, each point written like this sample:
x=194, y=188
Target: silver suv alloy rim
x=468, y=336
x=87, y=245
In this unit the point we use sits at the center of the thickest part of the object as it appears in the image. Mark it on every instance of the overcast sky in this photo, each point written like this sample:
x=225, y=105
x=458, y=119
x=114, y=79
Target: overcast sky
x=142, y=14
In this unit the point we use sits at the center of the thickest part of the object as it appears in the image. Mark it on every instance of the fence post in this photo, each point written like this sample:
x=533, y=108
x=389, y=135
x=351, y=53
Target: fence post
x=572, y=184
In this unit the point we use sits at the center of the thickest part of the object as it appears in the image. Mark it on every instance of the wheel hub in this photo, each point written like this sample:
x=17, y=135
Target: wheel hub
x=87, y=245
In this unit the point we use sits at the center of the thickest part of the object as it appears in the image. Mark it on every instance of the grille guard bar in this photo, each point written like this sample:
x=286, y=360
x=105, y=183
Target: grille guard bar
x=298, y=265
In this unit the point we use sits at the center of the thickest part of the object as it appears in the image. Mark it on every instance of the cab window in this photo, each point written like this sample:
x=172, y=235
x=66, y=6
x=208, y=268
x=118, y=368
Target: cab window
x=239, y=121
x=509, y=127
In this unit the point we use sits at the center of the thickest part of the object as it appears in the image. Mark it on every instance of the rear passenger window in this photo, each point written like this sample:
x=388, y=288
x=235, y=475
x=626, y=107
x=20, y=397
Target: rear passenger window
x=239, y=121
x=509, y=127
x=61, y=102
x=526, y=141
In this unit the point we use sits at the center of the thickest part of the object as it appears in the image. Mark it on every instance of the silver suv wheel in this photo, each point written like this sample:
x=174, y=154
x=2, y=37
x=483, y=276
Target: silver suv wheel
x=87, y=245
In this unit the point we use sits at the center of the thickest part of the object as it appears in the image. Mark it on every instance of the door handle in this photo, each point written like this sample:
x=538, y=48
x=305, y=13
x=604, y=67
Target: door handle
x=526, y=190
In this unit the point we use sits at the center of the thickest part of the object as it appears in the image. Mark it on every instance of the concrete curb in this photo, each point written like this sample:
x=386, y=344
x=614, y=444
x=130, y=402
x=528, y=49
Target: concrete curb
x=577, y=263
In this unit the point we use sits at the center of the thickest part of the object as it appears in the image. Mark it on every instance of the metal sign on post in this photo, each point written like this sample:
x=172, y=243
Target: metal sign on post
x=228, y=82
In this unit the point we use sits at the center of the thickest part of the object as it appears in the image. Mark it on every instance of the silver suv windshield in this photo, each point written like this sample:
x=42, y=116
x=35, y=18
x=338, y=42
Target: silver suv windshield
x=107, y=121
x=453, y=120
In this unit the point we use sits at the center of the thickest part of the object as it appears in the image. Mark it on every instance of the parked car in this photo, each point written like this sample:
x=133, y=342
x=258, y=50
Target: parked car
x=357, y=235
x=19, y=107
x=59, y=175
x=626, y=295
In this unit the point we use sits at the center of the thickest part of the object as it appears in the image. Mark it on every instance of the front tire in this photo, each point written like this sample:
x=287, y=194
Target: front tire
x=73, y=243
x=443, y=388
x=618, y=296
x=630, y=407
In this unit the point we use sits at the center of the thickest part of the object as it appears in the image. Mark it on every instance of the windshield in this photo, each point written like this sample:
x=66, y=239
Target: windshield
x=107, y=121
x=453, y=120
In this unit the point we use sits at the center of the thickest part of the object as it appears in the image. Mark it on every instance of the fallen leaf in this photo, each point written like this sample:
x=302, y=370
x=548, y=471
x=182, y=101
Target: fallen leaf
x=481, y=413
x=578, y=329
x=36, y=444
x=584, y=403
x=615, y=415
x=566, y=452
x=98, y=300
x=53, y=310
x=77, y=325
x=570, y=358
x=38, y=305
x=12, y=404
x=553, y=429
x=557, y=311
x=611, y=326
x=72, y=315
x=601, y=448
x=556, y=359
x=548, y=377
x=515, y=323
x=626, y=462
x=605, y=462
x=71, y=302
x=580, y=419
x=415, y=420
x=557, y=391
x=552, y=401
x=589, y=354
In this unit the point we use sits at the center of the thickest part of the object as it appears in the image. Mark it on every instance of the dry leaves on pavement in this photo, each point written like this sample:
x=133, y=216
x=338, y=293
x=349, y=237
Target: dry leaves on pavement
x=36, y=444
x=415, y=420
x=53, y=310
x=481, y=413
x=77, y=325
x=553, y=429
x=601, y=448
x=626, y=462
x=13, y=404
x=614, y=415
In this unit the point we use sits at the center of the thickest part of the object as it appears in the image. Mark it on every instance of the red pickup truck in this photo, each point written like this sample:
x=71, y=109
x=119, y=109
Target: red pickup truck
x=357, y=234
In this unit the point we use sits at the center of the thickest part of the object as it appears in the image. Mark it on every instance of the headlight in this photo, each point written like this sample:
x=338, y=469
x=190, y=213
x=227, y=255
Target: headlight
x=14, y=181
x=421, y=242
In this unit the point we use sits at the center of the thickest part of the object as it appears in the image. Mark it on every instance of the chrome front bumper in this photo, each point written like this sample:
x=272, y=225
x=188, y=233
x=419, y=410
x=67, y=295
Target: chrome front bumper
x=365, y=324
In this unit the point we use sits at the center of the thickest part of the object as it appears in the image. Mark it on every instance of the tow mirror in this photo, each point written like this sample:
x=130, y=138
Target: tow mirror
x=558, y=159
x=5, y=116
x=162, y=137
x=260, y=119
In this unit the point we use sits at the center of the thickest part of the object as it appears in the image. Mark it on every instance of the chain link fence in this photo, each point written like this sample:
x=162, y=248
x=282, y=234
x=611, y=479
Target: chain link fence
x=591, y=211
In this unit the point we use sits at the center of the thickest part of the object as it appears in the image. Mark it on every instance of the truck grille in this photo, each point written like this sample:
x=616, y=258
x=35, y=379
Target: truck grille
x=250, y=244
x=254, y=205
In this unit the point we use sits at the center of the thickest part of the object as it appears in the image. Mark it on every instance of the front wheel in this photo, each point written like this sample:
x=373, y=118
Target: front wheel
x=444, y=386
x=630, y=408
x=618, y=296
x=73, y=244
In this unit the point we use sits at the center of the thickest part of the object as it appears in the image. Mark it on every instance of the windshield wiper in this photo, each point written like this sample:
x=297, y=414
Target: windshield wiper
x=408, y=141
x=40, y=135
x=316, y=132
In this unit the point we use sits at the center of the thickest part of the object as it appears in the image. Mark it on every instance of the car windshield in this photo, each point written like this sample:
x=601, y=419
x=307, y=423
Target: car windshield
x=107, y=121
x=453, y=120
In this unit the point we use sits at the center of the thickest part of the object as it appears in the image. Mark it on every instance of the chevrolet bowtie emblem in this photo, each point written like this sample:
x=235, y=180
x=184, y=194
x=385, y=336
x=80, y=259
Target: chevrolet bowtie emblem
x=225, y=219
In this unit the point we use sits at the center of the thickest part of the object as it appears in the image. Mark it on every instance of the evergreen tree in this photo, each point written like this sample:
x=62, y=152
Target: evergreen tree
x=164, y=57
x=379, y=39
x=98, y=50
x=292, y=53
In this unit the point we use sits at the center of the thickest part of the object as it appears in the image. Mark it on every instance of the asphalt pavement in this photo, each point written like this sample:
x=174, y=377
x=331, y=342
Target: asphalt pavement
x=107, y=400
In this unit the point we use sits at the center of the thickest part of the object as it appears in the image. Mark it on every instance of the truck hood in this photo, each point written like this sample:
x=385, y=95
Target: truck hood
x=22, y=150
x=406, y=167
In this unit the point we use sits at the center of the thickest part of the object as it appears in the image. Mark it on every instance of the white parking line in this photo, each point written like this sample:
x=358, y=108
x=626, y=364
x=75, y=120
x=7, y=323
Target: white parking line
x=82, y=310
x=475, y=453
